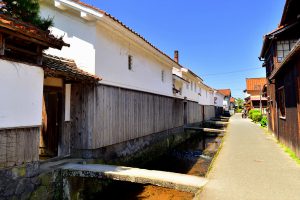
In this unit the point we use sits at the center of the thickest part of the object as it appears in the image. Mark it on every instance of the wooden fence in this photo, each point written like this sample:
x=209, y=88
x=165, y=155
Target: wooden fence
x=18, y=146
x=105, y=115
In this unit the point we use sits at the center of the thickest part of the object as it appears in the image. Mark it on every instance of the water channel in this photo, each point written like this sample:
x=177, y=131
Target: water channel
x=187, y=158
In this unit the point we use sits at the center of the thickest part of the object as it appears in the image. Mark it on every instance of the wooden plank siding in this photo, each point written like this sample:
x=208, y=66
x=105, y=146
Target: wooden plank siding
x=288, y=128
x=106, y=115
x=209, y=112
x=18, y=146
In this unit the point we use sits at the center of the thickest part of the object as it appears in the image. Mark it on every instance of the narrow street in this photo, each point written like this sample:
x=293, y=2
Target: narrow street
x=252, y=166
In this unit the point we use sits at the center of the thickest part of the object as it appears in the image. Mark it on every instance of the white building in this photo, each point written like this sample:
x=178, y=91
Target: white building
x=102, y=45
x=190, y=86
x=218, y=99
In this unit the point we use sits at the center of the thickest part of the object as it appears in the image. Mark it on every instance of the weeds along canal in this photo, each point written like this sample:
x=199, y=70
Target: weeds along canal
x=186, y=158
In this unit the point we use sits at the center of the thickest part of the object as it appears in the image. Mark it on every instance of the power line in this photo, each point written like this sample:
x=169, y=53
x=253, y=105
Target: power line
x=231, y=72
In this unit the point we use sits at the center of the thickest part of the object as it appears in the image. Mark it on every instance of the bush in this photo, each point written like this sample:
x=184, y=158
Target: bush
x=251, y=113
x=256, y=116
x=264, y=121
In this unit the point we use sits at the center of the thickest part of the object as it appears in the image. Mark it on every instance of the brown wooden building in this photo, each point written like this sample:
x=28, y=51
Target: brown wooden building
x=255, y=98
x=281, y=56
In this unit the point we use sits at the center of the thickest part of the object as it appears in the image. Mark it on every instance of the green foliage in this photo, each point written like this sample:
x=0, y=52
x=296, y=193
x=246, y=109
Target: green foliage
x=255, y=115
x=264, y=121
x=238, y=110
x=27, y=11
x=251, y=112
x=239, y=102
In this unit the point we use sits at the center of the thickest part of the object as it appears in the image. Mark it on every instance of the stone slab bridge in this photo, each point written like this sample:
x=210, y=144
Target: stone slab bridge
x=171, y=180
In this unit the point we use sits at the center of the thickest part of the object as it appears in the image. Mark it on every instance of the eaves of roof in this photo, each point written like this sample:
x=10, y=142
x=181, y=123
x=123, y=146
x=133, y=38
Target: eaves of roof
x=67, y=69
x=28, y=31
x=176, y=76
x=270, y=36
x=124, y=26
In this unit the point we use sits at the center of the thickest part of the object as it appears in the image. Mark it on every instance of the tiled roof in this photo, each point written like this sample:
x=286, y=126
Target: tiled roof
x=225, y=92
x=232, y=100
x=255, y=83
x=128, y=28
x=16, y=26
x=57, y=66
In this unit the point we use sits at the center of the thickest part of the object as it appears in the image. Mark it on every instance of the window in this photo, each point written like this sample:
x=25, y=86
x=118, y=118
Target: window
x=199, y=91
x=281, y=102
x=195, y=88
x=187, y=85
x=129, y=62
x=192, y=84
x=162, y=75
x=283, y=48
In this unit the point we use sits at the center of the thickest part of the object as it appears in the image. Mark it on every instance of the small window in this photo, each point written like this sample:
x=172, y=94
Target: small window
x=281, y=102
x=192, y=84
x=163, y=75
x=284, y=48
x=129, y=62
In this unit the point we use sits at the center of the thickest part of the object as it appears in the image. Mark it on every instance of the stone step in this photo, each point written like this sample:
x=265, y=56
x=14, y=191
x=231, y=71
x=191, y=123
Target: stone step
x=208, y=130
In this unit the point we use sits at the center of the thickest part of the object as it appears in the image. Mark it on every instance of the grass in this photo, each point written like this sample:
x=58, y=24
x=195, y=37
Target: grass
x=286, y=149
x=290, y=152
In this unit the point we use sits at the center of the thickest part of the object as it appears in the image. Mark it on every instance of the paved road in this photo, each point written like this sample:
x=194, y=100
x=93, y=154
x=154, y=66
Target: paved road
x=252, y=166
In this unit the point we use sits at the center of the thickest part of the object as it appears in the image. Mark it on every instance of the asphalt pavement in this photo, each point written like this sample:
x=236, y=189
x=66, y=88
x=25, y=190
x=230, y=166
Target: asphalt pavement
x=251, y=166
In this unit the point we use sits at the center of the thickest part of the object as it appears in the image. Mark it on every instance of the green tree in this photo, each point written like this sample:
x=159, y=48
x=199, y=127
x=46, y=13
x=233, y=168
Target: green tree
x=239, y=102
x=27, y=11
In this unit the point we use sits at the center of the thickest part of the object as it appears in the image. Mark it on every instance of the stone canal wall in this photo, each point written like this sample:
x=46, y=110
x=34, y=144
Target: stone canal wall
x=28, y=182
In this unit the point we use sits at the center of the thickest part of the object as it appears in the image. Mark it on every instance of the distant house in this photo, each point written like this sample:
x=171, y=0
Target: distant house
x=281, y=56
x=254, y=96
x=232, y=103
x=227, y=96
x=218, y=102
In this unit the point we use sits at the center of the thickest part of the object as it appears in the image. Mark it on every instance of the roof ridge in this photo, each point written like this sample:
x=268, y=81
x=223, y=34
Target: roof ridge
x=126, y=27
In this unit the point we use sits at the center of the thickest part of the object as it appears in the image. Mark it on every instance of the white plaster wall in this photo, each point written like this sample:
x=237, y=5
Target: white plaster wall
x=112, y=64
x=77, y=32
x=219, y=99
x=104, y=53
x=188, y=92
x=206, y=97
x=210, y=99
x=21, y=89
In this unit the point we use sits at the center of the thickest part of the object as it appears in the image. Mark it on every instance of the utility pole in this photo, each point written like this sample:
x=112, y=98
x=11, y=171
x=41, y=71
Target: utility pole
x=260, y=105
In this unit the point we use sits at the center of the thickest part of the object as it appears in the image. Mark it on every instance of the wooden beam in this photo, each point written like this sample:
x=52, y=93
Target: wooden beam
x=2, y=45
x=39, y=58
x=25, y=36
x=8, y=46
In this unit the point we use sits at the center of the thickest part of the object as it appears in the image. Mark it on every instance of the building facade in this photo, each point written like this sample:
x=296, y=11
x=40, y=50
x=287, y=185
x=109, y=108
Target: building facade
x=281, y=56
x=254, y=94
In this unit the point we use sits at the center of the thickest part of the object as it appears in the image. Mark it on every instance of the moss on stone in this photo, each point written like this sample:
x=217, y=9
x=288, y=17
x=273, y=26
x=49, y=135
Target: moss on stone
x=19, y=171
x=40, y=193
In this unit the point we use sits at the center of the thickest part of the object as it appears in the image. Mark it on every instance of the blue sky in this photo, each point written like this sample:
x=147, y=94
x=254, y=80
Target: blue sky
x=214, y=37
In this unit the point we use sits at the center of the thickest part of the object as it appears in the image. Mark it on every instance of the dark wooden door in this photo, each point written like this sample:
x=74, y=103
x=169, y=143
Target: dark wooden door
x=50, y=135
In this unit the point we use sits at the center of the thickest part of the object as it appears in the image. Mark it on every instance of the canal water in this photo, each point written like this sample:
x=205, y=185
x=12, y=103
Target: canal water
x=187, y=158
